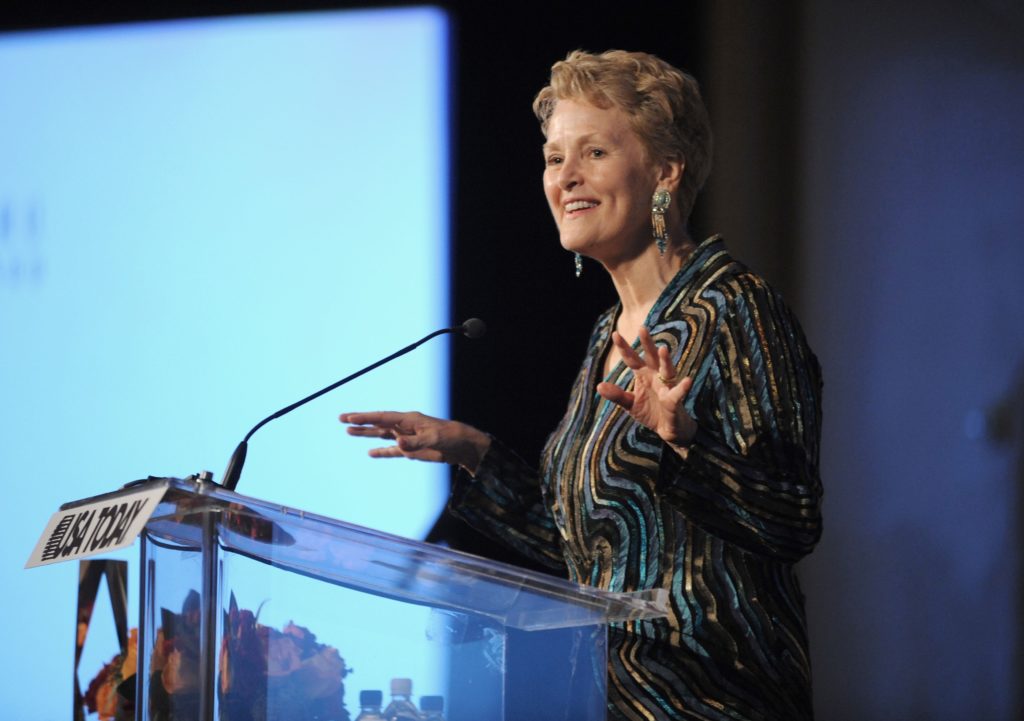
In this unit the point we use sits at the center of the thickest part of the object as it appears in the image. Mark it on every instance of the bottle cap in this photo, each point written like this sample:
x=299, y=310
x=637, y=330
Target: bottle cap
x=401, y=687
x=370, y=698
x=432, y=703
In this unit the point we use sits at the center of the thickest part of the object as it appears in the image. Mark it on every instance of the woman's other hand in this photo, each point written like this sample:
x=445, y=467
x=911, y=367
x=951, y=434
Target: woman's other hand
x=421, y=437
x=656, y=400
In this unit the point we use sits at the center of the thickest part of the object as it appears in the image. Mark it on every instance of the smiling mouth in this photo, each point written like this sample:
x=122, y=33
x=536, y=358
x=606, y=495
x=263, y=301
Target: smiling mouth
x=577, y=206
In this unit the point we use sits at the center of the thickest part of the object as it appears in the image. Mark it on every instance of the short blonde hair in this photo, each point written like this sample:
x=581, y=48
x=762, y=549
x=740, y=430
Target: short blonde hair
x=663, y=104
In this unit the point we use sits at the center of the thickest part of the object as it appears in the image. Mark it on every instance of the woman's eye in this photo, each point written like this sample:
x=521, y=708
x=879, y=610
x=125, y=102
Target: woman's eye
x=553, y=159
x=597, y=153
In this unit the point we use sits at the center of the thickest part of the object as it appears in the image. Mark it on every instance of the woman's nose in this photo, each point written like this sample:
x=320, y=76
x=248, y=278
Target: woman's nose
x=569, y=174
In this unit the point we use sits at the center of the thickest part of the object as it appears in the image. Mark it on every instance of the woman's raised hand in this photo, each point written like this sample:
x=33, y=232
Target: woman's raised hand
x=421, y=437
x=656, y=400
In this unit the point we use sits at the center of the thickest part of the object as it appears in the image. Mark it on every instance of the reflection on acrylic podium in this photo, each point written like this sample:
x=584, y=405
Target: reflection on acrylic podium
x=250, y=611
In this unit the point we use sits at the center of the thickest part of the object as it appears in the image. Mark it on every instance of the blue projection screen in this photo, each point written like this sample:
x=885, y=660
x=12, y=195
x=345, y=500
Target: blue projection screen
x=202, y=221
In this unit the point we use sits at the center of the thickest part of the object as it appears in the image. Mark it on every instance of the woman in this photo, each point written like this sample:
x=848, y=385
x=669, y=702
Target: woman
x=694, y=465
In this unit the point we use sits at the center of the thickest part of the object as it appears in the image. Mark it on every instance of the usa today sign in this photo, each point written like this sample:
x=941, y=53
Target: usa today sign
x=95, y=527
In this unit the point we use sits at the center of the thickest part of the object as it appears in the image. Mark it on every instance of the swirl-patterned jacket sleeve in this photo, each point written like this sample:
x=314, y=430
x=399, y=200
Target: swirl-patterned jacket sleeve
x=504, y=501
x=750, y=475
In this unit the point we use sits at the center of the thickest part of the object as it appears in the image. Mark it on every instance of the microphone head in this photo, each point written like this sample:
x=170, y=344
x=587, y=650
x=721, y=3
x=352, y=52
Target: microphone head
x=473, y=328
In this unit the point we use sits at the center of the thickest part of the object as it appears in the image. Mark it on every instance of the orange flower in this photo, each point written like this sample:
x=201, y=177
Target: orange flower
x=179, y=675
x=106, y=700
x=131, y=655
x=158, y=660
x=320, y=675
x=101, y=696
x=282, y=656
x=92, y=693
x=301, y=634
x=225, y=666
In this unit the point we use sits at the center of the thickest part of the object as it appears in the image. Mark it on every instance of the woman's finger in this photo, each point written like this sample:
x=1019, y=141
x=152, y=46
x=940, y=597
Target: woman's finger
x=666, y=371
x=376, y=418
x=679, y=392
x=370, y=432
x=420, y=454
x=630, y=357
x=650, y=350
x=386, y=452
x=618, y=396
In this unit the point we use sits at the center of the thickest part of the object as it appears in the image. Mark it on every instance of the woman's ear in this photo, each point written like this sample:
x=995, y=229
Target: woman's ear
x=671, y=175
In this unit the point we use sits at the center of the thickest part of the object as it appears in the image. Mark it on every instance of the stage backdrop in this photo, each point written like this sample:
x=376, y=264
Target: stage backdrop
x=201, y=222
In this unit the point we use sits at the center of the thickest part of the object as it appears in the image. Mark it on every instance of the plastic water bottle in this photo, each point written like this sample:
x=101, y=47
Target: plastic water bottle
x=401, y=707
x=369, y=706
x=432, y=708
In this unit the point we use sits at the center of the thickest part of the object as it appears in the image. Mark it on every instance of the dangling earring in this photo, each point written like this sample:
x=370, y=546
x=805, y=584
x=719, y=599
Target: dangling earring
x=659, y=204
x=578, y=261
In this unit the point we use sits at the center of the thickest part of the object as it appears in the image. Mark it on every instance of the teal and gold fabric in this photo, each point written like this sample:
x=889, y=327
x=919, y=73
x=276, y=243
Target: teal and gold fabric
x=719, y=528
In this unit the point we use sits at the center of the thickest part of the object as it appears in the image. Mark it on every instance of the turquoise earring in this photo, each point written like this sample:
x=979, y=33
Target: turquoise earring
x=659, y=204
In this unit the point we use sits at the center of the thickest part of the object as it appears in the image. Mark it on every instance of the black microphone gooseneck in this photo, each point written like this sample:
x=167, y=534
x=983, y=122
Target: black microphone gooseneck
x=472, y=328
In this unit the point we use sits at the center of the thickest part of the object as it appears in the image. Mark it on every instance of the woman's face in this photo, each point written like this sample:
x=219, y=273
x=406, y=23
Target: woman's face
x=598, y=181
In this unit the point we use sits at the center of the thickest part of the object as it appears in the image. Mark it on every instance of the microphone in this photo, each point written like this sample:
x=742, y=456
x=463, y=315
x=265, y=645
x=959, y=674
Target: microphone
x=472, y=328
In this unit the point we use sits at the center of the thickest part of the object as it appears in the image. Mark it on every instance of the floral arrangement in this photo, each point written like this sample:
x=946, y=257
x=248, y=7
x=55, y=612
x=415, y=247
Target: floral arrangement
x=112, y=693
x=264, y=674
x=270, y=675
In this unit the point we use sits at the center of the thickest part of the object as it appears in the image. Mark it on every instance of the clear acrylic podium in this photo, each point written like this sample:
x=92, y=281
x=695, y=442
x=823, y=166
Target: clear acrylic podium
x=233, y=590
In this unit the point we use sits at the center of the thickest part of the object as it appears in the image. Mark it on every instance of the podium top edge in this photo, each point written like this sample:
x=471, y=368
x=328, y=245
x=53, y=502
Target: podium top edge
x=391, y=565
